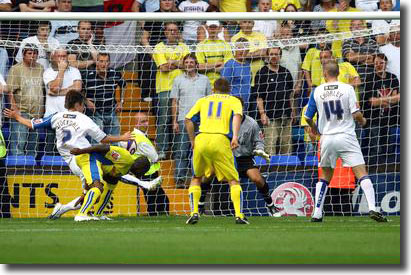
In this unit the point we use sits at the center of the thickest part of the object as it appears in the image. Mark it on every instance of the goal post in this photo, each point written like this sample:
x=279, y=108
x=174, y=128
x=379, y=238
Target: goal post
x=36, y=179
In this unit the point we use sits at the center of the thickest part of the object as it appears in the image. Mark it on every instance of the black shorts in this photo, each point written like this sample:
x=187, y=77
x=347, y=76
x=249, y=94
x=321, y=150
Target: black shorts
x=244, y=164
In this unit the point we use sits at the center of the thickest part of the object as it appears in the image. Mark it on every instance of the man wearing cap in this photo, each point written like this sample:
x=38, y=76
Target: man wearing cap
x=25, y=84
x=213, y=52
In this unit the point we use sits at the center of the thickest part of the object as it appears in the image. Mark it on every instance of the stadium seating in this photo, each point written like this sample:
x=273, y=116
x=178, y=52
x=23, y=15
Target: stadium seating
x=280, y=160
x=52, y=161
x=20, y=161
x=311, y=161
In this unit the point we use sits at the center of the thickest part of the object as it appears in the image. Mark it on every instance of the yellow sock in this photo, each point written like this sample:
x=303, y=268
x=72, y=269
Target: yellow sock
x=194, y=193
x=92, y=195
x=236, y=193
x=104, y=199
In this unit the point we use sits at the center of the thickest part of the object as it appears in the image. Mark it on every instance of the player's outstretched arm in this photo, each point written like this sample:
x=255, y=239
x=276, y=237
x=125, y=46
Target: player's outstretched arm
x=101, y=148
x=357, y=116
x=15, y=114
x=124, y=137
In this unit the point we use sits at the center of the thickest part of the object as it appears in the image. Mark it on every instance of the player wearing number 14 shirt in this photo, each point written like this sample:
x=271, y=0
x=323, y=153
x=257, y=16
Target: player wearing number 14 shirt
x=337, y=108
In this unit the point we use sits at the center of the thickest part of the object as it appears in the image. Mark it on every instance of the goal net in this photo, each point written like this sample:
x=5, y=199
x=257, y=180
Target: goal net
x=147, y=73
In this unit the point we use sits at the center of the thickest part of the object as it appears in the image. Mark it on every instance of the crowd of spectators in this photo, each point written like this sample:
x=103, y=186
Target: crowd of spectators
x=55, y=57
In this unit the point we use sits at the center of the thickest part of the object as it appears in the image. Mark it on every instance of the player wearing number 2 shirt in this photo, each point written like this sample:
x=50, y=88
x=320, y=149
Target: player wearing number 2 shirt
x=337, y=108
x=219, y=116
x=71, y=127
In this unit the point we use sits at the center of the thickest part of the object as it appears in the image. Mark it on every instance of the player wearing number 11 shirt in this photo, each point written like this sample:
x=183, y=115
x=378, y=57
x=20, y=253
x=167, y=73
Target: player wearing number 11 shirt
x=337, y=108
x=219, y=116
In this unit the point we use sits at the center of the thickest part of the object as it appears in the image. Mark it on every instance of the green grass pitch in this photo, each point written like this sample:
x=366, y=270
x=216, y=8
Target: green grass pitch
x=214, y=240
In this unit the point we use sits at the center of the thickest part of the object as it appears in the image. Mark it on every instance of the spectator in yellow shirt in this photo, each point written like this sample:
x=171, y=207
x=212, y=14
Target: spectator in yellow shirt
x=335, y=26
x=257, y=45
x=280, y=5
x=348, y=74
x=168, y=56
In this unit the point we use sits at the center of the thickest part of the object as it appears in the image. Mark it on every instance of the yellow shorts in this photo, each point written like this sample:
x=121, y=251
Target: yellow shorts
x=213, y=155
x=91, y=167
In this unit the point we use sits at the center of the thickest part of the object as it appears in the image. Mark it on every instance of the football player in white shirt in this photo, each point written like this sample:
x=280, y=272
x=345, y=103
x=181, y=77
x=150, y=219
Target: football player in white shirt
x=71, y=127
x=337, y=108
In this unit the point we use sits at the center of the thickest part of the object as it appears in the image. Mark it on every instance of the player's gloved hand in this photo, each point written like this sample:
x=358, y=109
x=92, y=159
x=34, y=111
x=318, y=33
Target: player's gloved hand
x=155, y=183
x=262, y=154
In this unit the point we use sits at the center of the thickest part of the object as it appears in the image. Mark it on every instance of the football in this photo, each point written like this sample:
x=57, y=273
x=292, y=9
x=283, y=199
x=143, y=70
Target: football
x=130, y=145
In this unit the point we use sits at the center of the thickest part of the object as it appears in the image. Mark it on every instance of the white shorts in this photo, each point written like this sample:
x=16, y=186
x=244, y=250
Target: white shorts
x=342, y=146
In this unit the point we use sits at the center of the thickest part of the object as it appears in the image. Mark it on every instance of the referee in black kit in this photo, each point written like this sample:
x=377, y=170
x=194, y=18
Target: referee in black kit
x=100, y=86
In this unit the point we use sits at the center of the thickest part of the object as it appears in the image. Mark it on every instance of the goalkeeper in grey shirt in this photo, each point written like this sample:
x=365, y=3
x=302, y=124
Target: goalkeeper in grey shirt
x=251, y=143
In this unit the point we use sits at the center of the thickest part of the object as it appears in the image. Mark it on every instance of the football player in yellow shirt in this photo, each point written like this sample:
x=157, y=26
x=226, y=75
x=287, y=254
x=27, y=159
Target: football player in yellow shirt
x=102, y=166
x=220, y=117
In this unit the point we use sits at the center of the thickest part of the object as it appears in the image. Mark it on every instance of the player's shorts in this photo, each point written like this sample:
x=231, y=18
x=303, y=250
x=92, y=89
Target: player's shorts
x=342, y=146
x=90, y=166
x=213, y=156
x=76, y=170
x=244, y=164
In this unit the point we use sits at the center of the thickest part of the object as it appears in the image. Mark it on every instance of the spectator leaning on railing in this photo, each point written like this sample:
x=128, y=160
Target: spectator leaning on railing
x=82, y=54
x=44, y=43
x=381, y=105
x=168, y=56
x=392, y=52
x=64, y=30
x=100, y=86
x=360, y=51
x=26, y=94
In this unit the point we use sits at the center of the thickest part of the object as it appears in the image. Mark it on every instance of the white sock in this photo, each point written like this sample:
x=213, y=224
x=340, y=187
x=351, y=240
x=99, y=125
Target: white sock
x=320, y=192
x=70, y=206
x=368, y=188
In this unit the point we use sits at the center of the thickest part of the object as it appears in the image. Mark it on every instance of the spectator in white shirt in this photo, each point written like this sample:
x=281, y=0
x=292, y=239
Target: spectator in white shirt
x=392, y=52
x=190, y=26
x=5, y=5
x=381, y=28
x=266, y=27
x=64, y=30
x=59, y=79
x=291, y=58
x=45, y=44
x=370, y=5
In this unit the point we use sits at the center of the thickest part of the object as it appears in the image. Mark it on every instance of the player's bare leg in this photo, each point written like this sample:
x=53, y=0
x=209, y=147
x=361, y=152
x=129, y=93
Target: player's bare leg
x=255, y=176
x=321, y=189
x=194, y=192
x=361, y=174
